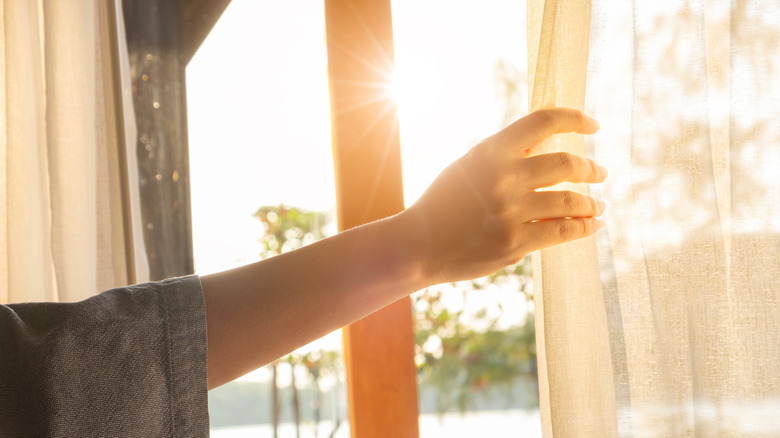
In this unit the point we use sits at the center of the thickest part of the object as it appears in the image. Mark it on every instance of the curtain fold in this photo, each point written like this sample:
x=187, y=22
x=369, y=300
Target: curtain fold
x=61, y=215
x=666, y=323
x=571, y=348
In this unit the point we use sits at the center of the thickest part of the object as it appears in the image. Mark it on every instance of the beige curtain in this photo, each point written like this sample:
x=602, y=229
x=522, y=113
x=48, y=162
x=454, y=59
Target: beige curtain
x=575, y=380
x=63, y=209
x=667, y=324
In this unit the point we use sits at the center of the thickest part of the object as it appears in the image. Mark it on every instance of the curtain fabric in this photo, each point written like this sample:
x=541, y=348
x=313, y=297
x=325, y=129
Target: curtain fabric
x=61, y=203
x=571, y=346
x=664, y=324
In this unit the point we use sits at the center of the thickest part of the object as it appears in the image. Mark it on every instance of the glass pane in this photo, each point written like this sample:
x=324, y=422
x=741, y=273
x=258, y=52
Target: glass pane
x=262, y=183
x=461, y=76
x=161, y=147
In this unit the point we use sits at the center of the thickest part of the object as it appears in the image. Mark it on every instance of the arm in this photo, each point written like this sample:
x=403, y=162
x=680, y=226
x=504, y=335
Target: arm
x=481, y=214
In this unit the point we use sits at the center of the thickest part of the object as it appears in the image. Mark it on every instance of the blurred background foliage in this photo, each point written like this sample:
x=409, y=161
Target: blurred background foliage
x=465, y=357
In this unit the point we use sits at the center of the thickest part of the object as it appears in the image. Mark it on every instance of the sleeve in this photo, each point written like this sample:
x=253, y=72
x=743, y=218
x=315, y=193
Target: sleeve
x=128, y=362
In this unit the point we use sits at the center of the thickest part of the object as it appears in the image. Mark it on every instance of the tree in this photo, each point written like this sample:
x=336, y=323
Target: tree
x=289, y=228
x=319, y=364
x=462, y=353
x=286, y=229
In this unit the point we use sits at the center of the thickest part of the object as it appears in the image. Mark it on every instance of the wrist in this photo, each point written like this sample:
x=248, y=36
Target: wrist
x=411, y=234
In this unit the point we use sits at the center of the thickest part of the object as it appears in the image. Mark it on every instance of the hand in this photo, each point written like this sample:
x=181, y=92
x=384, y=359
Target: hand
x=483, y=212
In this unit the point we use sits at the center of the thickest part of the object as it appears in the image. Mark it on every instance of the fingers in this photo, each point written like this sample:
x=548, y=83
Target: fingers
x=536, y=127
x=550, y=169
x=563, y=204
x=557, y=231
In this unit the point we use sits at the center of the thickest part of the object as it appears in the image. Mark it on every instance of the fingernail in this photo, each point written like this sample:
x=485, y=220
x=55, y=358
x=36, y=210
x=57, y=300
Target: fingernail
x=598, y=224
x=601, y=205
x=602, y=171
x=595, y=123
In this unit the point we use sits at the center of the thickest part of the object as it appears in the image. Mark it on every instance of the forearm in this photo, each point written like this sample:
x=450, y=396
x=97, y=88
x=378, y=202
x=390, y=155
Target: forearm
x=482, y=213
x=262, y=311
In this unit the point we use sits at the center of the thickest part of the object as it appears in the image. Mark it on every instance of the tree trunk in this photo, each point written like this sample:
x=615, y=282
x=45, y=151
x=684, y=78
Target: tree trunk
x=317, y=407
x=275, y=401
x=296, y=401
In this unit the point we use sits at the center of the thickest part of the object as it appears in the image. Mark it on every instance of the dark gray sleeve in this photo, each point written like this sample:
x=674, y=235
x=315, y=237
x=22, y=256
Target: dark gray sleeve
x=128, y=362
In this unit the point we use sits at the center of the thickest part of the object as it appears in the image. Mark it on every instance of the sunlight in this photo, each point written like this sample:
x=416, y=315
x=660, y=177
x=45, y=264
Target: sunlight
x=407, y=89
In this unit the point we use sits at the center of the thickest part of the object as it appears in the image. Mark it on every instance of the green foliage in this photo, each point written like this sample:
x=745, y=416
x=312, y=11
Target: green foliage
x=463, y=354
x=321, y=363
x=289, y=228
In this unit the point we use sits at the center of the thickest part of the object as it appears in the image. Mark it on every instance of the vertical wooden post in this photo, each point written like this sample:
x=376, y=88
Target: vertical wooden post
x=379, y=349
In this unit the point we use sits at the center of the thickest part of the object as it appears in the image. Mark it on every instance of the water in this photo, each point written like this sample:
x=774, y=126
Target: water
x=506, y=423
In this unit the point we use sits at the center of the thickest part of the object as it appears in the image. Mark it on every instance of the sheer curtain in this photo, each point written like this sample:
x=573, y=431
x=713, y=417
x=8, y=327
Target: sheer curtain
x=63, y=212
x=666, y=323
